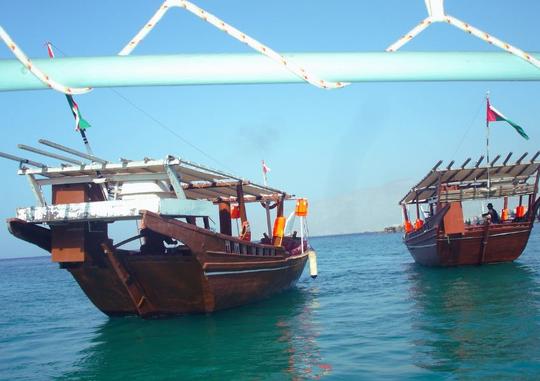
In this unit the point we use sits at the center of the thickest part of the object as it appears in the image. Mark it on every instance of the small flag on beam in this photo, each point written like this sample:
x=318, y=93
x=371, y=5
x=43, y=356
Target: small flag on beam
x=265, y=168
x=80, y=122
x=493, y=115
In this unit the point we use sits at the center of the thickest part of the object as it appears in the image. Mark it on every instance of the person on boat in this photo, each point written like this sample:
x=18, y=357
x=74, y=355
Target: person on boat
x=492, y=213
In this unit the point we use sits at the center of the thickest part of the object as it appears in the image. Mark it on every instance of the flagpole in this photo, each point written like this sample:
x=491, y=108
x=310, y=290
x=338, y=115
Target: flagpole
x=266, y=206
x=86, y=143
x=487, y=145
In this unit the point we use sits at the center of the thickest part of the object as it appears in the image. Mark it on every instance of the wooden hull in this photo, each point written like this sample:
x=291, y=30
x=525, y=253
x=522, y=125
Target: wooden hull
x=209, y=272
x=178, y=284
x=479, y=244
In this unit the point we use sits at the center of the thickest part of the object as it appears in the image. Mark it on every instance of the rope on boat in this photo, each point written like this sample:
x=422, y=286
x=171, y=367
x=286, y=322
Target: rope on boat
x=233, y=32
x=436, y=13
x=149, y=26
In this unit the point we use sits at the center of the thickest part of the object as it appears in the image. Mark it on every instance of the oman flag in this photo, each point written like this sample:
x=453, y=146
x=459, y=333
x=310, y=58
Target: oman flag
x=493, y=115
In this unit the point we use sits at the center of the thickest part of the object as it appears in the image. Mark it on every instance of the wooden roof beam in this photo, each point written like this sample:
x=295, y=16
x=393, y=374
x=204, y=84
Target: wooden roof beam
x=535, y=156
x=72, y=151
x=213, y=184
x=465, y=163
x=49, y=154
x=521, y=158
x=450, y=165
x=479, y=161
x=251, y=198
x=436, y=166
x=495, y=160
x=507, y=158
x=22, y=160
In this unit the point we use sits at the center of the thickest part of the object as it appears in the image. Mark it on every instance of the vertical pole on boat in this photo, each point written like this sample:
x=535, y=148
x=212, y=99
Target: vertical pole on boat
x=532, y=208
x=225, y=218
x=302, y=233
x=245, y=233
x=487, y=146
x=265, y=170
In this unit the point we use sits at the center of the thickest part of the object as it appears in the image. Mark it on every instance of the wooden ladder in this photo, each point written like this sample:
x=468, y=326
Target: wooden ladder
x=140, y=300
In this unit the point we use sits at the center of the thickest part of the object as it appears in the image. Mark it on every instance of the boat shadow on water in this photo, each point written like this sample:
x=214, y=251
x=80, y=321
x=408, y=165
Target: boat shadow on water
x=475, y=321
x=273, y=339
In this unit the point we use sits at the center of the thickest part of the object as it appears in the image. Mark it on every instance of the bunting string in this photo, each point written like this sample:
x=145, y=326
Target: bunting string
x=436, y=13
x=36, y=71
x=233, y=32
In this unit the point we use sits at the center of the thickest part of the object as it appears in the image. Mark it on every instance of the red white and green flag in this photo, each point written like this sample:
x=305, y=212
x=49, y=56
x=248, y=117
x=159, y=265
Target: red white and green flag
x=80, y=122
x=494, y=115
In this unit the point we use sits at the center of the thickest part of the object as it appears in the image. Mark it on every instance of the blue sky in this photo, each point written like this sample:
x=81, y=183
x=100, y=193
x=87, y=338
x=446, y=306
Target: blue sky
x=353, y=152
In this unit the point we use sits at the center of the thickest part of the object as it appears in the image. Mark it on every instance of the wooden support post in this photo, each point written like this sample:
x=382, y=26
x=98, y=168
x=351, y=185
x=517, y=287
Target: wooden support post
x=417, y=208
x=405, y=215
x=241, y=202
x=225, y=218
x=245, y=232
x=280, y=206
x=206, y=222
x=280, y=224
x=191, y=220
x=36, y=189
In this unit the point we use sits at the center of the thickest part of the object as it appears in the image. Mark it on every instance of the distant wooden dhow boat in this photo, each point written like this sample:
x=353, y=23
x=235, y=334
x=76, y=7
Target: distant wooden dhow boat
x=444, y=238
x=181, y=266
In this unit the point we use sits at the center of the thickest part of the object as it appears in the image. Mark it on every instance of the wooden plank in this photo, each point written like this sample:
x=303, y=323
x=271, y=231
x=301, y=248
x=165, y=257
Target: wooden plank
x=68, y=243
x=453, y=219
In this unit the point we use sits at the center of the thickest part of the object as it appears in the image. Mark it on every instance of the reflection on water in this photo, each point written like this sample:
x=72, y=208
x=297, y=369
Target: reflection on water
x=275, y=339
x=474, y=317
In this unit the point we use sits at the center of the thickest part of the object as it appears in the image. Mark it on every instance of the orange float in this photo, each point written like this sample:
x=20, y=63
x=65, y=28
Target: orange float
x=301, y=207
x=408, y=226
x=235, y=212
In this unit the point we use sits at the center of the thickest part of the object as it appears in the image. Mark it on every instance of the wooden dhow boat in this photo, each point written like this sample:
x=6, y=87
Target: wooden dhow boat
x=441, y=236
x=181, y=265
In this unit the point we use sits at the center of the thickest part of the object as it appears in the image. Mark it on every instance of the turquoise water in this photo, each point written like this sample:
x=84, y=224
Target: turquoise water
x=372, y=314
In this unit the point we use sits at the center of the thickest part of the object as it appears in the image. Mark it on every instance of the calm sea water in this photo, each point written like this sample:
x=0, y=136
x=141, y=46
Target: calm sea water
x=372, y=314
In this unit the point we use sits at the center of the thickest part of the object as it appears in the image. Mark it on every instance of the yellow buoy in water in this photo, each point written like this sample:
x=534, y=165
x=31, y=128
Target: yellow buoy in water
x=312, y=263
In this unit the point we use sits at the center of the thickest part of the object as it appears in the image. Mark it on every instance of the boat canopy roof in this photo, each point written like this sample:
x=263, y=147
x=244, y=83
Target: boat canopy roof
x=197, y=181
x=471, y=182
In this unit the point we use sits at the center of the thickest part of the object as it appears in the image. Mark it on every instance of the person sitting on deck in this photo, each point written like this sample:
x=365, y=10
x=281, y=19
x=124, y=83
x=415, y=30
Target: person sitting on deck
x=492, y=213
